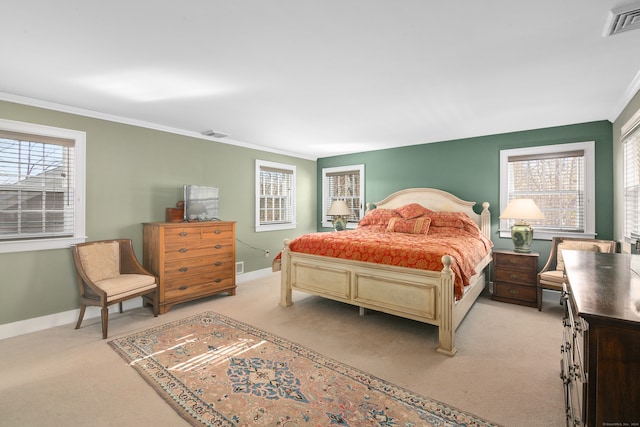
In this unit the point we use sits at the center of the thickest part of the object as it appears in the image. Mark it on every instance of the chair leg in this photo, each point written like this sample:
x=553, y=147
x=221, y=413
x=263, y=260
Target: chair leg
x=120, y=306
x=539, y=291
x=105, y=321
x=83, y=307
x=156, y=304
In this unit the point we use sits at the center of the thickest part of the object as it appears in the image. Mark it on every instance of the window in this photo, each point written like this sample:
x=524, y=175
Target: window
x=560, y=179
x=42, y=177
x=631, y=178
x=275, y=196
x=343, y=183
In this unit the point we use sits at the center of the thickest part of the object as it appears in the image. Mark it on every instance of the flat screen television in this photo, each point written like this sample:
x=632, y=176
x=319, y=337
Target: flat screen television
x=200, y=203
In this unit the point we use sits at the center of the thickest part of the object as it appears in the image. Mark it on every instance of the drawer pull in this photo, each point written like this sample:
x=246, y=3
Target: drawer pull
x=183, y=234
x=513, y=291
x=183, y=250
x=183, y=269
x=218, y=280
x=218, y=231
x=515, y=276
x=183, y=288
x=218, y=246
x=218, y=264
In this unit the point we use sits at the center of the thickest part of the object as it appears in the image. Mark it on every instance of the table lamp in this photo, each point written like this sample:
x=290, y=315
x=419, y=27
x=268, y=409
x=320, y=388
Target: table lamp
x=521, y=231
x=339, y=210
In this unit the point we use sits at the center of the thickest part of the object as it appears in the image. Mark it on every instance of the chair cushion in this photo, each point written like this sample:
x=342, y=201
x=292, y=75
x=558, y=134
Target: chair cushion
x=100, y=260
x=574, y=246
x=552, y=279
x=126, y=284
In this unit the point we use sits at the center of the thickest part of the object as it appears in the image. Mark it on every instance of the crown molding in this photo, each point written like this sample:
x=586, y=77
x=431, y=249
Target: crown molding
x=629, y=93
x=18, y=99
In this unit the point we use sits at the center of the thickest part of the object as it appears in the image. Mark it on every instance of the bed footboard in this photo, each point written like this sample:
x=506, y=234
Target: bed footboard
x=422, y=295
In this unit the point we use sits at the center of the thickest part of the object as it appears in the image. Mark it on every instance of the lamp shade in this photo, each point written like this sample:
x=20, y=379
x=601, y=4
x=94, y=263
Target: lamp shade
x=339, y=208
x=521, y=209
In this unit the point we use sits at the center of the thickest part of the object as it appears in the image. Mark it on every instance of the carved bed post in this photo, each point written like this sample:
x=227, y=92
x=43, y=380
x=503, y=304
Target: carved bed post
x=485, y=227
x=285, y=279
x=485, y=220
x=446, y=329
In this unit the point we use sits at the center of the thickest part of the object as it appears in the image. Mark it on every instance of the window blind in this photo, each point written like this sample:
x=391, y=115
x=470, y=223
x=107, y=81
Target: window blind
x=556, y=182
x=276, y=201
x=631, y=176
x=344, y=185
x=36, y=186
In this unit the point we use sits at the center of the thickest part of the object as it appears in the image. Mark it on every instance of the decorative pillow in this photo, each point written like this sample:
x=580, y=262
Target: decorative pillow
x=448, y=219
x=101, y=261
x=574, y=246
x=378, y=217
x=410, y=226
x=412, y=210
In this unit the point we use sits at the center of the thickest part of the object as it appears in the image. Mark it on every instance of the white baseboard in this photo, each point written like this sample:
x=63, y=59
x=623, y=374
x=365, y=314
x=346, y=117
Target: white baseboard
x=66, y=317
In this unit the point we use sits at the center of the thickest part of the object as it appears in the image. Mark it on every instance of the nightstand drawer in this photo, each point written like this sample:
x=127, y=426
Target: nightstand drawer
x=514, y=292
x=515, y=276
x=515, y=261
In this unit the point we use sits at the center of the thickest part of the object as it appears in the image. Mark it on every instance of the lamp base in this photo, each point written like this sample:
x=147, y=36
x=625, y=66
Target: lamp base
x=339, y=223
x=522, y=236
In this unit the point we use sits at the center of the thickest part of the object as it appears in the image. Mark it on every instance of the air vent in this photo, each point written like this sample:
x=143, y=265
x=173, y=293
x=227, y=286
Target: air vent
x=621, y=19
x=215, y=134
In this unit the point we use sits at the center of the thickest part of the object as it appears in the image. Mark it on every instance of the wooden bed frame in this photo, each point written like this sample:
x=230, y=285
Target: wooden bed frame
x=426, y=296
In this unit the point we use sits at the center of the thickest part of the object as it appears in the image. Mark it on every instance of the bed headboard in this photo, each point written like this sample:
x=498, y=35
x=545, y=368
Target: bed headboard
x=437, y=200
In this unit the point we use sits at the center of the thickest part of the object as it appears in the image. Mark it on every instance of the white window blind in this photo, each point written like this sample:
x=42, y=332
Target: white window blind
x=556, y=183
x=36, y=186
x=343, y=183
x=42, y=187
x=631, y=165
x=275, y=196
x=559, y=179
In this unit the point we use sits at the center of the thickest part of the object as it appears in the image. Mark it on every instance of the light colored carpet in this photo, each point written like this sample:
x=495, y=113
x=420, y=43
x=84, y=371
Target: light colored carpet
x=506, y=369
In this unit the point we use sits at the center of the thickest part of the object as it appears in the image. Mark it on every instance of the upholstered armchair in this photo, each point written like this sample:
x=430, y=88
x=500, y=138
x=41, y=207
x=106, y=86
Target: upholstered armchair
x=552, y=274
x=108, y=273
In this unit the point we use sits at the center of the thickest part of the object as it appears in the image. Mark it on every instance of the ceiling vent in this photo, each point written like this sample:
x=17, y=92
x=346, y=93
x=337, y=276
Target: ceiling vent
x=623, y=18
x=215, y=134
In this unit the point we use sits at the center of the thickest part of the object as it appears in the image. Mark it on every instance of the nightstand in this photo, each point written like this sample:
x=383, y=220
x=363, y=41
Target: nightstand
x=514, y=277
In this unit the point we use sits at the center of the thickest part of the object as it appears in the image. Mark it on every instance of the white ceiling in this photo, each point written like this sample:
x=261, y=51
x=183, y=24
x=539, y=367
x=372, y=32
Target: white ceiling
x=323, y=77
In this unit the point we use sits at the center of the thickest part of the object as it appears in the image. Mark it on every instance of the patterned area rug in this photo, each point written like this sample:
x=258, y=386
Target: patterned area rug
x=217, y=371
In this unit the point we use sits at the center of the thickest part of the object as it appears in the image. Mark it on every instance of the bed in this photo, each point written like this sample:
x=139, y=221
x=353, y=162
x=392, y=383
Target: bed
x=426, y=293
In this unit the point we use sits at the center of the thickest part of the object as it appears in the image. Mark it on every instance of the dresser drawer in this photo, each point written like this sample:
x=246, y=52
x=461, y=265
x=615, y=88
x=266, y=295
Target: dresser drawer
x=514, y=292
x=205, y=277
x=182, y=251
x=193, y=288
x=191, y=233
x=180, y=269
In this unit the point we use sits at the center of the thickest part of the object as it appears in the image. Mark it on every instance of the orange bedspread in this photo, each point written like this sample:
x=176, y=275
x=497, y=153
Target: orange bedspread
x=423, y=251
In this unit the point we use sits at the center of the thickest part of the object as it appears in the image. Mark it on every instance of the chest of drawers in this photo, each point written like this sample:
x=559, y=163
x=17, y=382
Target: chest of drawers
x=191, y=260
x=514, y=277
x=600, y=364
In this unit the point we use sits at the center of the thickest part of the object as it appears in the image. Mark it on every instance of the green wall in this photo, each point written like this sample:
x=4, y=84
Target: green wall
x=470, y=169
x=133, y=174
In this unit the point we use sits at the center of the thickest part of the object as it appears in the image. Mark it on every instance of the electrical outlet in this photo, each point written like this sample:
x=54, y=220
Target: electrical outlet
x=266, y=254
